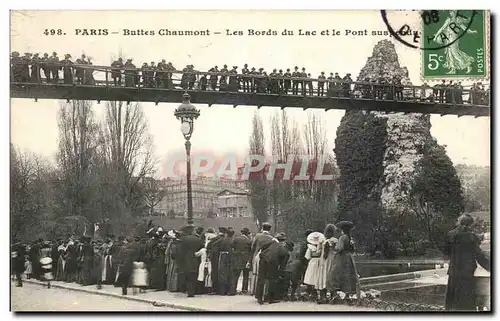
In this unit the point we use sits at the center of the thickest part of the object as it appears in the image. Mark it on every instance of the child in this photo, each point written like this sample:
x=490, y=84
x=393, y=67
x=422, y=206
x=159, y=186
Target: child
x=28, y=267
x=139, y=277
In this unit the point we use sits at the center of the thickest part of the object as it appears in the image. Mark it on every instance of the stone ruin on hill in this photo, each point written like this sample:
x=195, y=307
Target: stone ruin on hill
x=377, y=152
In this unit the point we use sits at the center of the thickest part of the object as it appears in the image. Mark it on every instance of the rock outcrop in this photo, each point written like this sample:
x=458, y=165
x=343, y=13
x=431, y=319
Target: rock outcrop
x=405, y=136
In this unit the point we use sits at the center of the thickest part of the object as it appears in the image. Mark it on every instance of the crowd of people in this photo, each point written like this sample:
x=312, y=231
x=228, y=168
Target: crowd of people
x=195, y=261
x=29, y=68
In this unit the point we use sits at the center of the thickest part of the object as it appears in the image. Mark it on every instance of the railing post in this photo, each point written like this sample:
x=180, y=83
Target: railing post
x=106, y=79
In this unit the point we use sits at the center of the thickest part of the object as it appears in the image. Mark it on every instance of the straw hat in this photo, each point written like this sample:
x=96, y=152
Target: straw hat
x=315, y=238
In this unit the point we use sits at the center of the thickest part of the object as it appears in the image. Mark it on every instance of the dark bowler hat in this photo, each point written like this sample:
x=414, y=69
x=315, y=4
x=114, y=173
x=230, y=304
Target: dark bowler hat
x=210, y=230
x=187, y=229
x=137, y=238
x=222, y=230
x=266, y=225
x=245, y=231
x=344, y=224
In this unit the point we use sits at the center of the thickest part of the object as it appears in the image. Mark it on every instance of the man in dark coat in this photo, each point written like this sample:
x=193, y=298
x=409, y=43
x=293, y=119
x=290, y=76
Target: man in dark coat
x=116, y=71
x=273, y=260
x=242, y=253
x=34, y=257
x=463, y=250
x=189, y=263
x=213, y=250
x=54, y=67
x=225, y=262
x=129, y=253
x=17, y=257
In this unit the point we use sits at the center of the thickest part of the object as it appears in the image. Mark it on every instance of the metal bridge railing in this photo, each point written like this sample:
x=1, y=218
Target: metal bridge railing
x=244, y=83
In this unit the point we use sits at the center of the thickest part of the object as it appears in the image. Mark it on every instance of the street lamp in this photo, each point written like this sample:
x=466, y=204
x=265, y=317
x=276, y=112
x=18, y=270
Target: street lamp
x=187, y=113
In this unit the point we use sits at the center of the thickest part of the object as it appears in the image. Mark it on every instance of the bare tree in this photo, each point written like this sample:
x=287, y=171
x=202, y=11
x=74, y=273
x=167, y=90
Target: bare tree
x=128, y=151
x=78, y=142
x=257, y=181
x=154, y=192
x=31, y=193
x=286, y=146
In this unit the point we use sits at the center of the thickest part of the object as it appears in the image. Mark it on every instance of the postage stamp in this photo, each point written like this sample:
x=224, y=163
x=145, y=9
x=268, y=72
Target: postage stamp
x=457, y=42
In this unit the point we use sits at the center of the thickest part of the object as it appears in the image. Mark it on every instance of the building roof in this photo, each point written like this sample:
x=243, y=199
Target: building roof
x=236, y=191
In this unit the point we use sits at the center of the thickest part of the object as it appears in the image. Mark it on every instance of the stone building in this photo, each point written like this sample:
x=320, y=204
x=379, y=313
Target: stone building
x=232, y=202
x=204, y=193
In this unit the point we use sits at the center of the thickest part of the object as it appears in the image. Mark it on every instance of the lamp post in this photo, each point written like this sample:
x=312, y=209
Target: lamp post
x=187, y=113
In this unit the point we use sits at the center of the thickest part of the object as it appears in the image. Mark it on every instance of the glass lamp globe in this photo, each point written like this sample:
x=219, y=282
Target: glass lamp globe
x=185, y=128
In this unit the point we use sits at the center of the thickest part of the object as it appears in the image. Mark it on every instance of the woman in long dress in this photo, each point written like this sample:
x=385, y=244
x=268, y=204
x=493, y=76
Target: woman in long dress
x=315, y=242
x=343, y=275
x=464, y=252
x=172, y=270
x=327, y=257
x=455, y=59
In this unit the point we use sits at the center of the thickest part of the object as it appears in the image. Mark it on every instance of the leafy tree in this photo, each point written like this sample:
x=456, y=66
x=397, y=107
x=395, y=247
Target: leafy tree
x=435, y=197
x=359, y=150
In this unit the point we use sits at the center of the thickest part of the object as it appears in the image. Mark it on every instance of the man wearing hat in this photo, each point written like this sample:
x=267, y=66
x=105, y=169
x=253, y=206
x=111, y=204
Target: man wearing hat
x=116, y=71
x=274, y=81
x=346, y=85
x=15, y=67
x=259, y=240
x=321, y=84
x=188, y=262
x=253, y=80
x=296, y=82
x=18, y=251
x=242, y=253
x=287, y=81
x=245, y=79
x=79, y=72
x=273, y=260
x=213, y=77
x=130, y=73
x=25, y=69
x=54, y=67
x=35, y=68
x=67, y=69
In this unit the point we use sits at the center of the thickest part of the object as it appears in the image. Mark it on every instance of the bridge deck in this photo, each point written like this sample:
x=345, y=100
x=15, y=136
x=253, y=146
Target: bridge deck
x=160, y=95
x=142, y=86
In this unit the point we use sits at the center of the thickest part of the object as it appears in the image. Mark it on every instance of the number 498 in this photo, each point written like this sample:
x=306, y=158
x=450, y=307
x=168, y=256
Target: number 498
x=434, y=61
x=53, y=32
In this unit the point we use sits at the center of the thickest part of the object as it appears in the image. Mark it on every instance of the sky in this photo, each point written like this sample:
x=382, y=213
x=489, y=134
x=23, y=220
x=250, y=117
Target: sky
x=221, y=129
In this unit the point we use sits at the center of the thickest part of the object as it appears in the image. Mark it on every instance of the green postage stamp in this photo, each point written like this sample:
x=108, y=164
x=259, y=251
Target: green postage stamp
x=456, y=44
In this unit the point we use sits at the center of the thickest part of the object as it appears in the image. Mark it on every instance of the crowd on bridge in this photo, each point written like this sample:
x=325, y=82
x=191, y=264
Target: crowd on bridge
x=195, y=261
x=29, y=68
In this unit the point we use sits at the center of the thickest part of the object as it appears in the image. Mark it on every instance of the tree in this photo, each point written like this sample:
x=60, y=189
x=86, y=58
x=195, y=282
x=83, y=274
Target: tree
x=128, y=153
x=154, y=192
x=31, y=194
x=78, y=142
x=258, y=181
x=435, y=197
x=359, y=149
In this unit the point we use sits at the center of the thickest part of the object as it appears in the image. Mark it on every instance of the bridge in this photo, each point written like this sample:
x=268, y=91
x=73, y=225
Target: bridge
x=261, y=91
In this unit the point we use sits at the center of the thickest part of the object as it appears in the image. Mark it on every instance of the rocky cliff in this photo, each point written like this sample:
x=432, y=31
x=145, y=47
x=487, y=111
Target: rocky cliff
x=392, y=163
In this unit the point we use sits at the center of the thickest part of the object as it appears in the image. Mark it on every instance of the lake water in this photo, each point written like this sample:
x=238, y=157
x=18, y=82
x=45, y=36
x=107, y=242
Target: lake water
x=366, y=270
